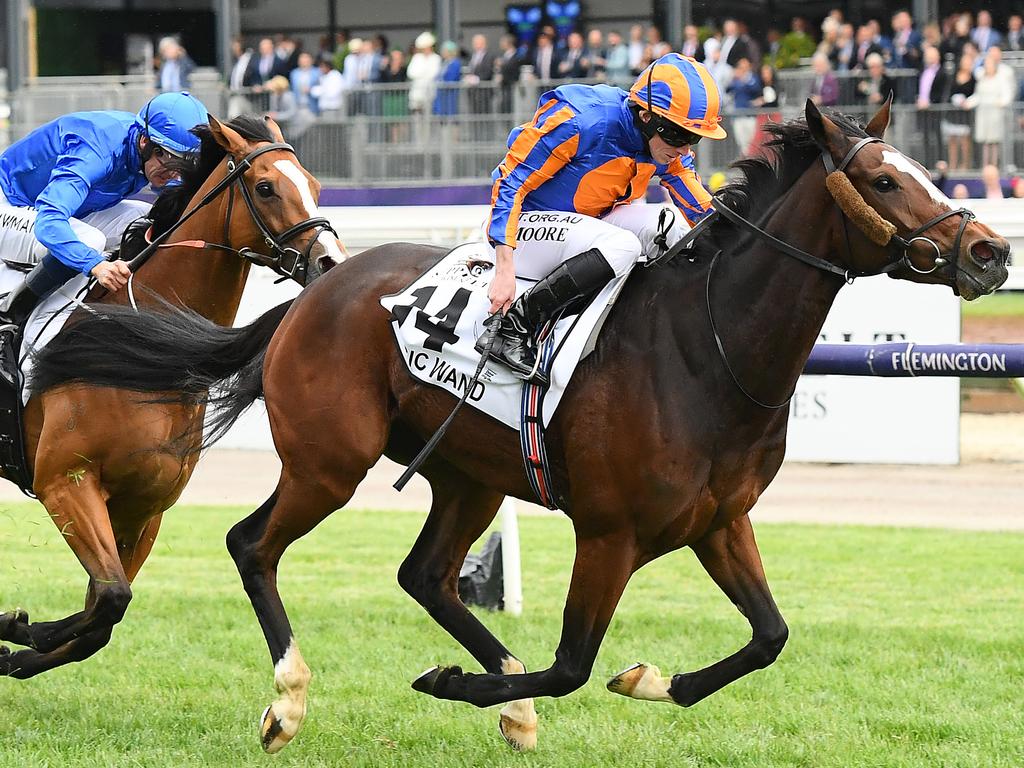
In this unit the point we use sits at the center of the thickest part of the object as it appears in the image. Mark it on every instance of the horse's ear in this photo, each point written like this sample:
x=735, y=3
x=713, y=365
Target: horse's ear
x=825, y=133
x=275, y=129
x=227, y=137
x=880, y=121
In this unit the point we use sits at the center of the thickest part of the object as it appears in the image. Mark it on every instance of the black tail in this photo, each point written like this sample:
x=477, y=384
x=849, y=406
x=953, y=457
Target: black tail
x=173, y=351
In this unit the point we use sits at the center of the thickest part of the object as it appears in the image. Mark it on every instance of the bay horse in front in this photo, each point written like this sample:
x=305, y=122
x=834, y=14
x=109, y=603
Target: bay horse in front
x=665, y=437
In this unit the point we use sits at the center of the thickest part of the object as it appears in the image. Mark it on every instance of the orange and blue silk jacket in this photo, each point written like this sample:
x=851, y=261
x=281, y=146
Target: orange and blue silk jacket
x=583, y=152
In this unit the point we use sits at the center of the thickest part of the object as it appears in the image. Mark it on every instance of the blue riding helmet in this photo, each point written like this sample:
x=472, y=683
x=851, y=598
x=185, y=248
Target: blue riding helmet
x=167, y=119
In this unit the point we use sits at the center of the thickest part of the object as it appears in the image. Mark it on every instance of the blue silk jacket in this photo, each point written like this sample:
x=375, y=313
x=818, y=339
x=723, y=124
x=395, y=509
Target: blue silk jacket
x=70, y=167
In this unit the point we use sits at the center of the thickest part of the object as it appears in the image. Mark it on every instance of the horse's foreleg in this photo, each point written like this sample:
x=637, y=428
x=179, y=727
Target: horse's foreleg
x=460, y=511
x=256, y=544
x=29, y=663
x=602, y=569
x=80, y=513
x=731, y=558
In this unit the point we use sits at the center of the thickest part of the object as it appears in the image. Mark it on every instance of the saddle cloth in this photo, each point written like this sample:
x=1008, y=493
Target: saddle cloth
x=438, y=318
x=46, y=319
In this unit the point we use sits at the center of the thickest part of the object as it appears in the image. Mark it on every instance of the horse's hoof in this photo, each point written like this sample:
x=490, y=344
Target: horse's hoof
x=273, y=735
x=520, y=735
x=425, y=682
x=626, y=681
x=434, y=680
x=641, y=681
x=9, y=619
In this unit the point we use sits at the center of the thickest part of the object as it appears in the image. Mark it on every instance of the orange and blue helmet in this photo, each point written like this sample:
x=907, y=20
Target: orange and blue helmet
x=680, y=89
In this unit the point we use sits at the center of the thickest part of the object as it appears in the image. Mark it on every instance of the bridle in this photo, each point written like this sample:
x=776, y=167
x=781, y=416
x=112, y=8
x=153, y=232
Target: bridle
x=899, y=258
x=286, y=261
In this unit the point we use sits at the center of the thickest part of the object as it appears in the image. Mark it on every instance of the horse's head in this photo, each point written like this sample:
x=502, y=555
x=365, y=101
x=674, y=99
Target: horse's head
x=901, y=223
x=281, y=197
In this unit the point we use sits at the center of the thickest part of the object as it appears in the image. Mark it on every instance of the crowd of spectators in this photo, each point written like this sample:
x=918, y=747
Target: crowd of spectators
x=951, y=70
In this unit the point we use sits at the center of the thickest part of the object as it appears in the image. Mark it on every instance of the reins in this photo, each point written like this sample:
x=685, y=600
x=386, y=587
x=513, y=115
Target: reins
x=286, y=261
x=852, y=205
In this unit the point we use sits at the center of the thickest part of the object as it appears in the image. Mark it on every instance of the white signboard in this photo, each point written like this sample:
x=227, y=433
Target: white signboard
x=874, y=420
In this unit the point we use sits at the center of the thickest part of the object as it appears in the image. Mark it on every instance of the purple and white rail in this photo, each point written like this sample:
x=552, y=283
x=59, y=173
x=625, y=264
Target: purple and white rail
x=992, y=361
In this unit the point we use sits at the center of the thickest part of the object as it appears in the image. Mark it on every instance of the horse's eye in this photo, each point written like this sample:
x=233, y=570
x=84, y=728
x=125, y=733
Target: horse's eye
x=265, y=189
x=884, y=184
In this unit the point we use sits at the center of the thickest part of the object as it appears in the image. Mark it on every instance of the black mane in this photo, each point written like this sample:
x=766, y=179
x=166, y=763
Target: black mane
x=196, y=168
x=764, y=179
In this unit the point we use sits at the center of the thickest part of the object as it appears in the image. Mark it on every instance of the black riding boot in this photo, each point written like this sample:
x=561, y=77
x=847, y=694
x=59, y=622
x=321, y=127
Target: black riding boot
x=571, y=281
x=46, y=277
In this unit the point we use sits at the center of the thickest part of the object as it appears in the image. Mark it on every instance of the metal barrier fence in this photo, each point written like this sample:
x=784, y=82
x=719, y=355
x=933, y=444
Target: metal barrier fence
x=45, y=98
x=365, y=148
x=456, y=133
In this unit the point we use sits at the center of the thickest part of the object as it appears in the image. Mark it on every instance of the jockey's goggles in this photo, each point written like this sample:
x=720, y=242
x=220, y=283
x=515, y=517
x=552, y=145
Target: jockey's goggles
x=672, y=134
x=162, y=153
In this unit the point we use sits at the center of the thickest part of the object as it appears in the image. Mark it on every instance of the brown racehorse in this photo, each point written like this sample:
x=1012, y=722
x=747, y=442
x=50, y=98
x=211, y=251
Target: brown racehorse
x=664, y=439
x=102, y=464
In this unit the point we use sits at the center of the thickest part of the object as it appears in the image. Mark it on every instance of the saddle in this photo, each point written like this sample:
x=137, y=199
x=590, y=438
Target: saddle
x=13, y=460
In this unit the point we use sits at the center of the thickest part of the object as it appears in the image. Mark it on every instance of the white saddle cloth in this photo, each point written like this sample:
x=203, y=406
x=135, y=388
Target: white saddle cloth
x=438, y=318
x=46, y=319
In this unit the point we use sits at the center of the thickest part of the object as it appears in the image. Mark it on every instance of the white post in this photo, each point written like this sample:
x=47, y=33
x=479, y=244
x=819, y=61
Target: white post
x=510, y=564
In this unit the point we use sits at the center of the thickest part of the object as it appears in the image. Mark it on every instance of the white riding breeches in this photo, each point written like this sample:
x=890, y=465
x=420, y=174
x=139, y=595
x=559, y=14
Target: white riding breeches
x=100, y=230
x=547, y=238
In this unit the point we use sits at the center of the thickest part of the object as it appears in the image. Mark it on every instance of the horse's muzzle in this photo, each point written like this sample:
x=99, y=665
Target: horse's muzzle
x=982, y=267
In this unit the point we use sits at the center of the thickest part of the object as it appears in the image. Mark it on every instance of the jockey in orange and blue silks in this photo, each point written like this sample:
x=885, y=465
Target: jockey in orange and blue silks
x=568, y=201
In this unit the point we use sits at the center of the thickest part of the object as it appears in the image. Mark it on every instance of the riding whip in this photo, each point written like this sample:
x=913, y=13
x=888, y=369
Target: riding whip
x=424, y=454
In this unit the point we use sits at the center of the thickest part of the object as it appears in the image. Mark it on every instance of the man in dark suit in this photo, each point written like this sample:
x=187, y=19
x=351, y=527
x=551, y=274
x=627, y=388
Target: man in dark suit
x=734, y=46
x=906, y=42
x=932, y=88
x=1014, y=34
x=480, y=70
x=575, y=61
x=692, y=45
x=545, y=58
x=265, y=64
x=876, y=87
x=507, y=66
x=863, y=48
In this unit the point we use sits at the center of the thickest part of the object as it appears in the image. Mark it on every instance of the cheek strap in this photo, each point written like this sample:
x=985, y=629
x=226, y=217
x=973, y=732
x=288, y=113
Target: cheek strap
x=850, y=201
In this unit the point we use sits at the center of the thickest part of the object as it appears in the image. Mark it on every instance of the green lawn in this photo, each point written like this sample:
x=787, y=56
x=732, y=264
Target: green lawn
x=906, y=649
x=999, y=304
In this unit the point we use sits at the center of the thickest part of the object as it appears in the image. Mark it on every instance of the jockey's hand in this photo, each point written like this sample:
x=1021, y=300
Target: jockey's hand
x=112, y=275
x=503, y=286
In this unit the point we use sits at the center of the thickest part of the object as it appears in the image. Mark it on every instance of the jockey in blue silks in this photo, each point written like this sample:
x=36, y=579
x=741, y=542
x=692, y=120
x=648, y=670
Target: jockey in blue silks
x=63, y=191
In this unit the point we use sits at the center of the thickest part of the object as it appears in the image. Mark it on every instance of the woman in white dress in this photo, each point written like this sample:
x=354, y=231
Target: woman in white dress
x=993, y=95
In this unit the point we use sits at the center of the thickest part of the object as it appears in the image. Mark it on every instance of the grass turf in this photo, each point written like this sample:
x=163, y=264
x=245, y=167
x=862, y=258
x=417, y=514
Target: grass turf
x=905, y=650
x=1000, y=304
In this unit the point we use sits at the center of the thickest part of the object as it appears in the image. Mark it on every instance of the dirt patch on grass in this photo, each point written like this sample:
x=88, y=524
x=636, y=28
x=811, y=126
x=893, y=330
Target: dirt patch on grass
x=998, y=329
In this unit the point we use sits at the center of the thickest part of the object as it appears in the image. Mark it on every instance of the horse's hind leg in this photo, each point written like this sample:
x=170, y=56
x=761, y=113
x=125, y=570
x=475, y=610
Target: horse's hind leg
x=29, y=663
x=731, y=558
x=257, y=544
x=460, y=511
x=604, y=563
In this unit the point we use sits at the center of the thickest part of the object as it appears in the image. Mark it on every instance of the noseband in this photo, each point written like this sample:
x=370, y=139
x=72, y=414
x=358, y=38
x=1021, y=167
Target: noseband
x=853, y=206
x=286, y=261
